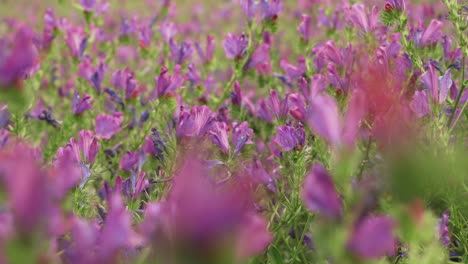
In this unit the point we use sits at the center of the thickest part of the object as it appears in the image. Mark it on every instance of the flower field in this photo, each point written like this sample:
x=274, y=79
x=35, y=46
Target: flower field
x=233, y=131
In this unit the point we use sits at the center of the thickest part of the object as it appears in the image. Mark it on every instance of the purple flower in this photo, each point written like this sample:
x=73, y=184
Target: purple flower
x=289, y=137
x=195, y=123
x=259, y=175
x=76, y=40
x=17, y=61
x=79, y=105
x=273, y=107
x=234, y=46
x=134, y=186
x=399, y=5
x=372, y=238
x=324, y=118
x=26, y=188
x=319, y=193
x=292, y=71
x=438, y=86
x=88, y=145
x=207, y=54
x=4, y=136
x=236, y=94
x=168, y=31
x=253, y=237
x=108, y=125
x=359, y=17
x=432, y=33
x=181, y=53
x=166, y=84
x=220, y=136
x=88, y=5
x=444, y=231
x=124, y=79
x=241, y=135
x=271, y=9
x=250, y=8
x=154, y=144
x=129, y=161
x=260, y=56
x=117, y=233
x=4, y=116
x=304, y=27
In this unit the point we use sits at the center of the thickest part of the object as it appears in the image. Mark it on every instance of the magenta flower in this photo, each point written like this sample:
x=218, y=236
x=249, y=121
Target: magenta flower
x=372, y=238
x=4, y=116
x=399, y=5
x=270, y=9
x=438, y=86
x=241, y=135
x=293, y=72
x=76, y=40
x=108, y=125
x=249, y=7
x=195, y=123
x=220, y=136
x=432, y=33
x=88, y=145
x=260, y=56
x=253, y=238
x=289, y=137
x=88, y=5
x=134, y=186
x=166, y=84
x=17, y=59
x=129, y=161
x=420, y=104
x=206, y=55
x=304, y=27
x=168, y=31
x=236, y=94
x=319, y=193
x=273, y=107
x=444, y=231
x=359, y=17
x=79, y=105
x=4, y=136
x=180, y=53
x=235, y=46
x=324, y=118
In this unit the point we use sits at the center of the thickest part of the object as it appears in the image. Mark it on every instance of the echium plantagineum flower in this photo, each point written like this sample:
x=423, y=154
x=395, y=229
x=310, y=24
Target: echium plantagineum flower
x=259, y=57
x=206, y=55
x=358, y=15
x=438, y=86
x=273, y=107
x=88, y=5
x=294, y=72
x=319, y=193
x=217, y=213
x=196, y=122
x=304, y=27
x=76, y=40
x=81, y=104
x=83, y=153
x=235, y=46
x=270, y=9
x=166, y=84
x=17, y=59
x=168, y=30
x=420, y=104
x=180, y=53
x=241, y=135
x=290, y=137
x=443, y=230
x=249, y=7
x=4, y=116
x=398, y=5
x=155, y=144
x=431, y=34
x=108, y=125
x=125, y=80
x=50, y=25
x=372, y=238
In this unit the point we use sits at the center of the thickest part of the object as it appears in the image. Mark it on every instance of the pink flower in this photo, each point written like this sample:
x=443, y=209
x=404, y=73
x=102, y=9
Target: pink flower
x=108, y=125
